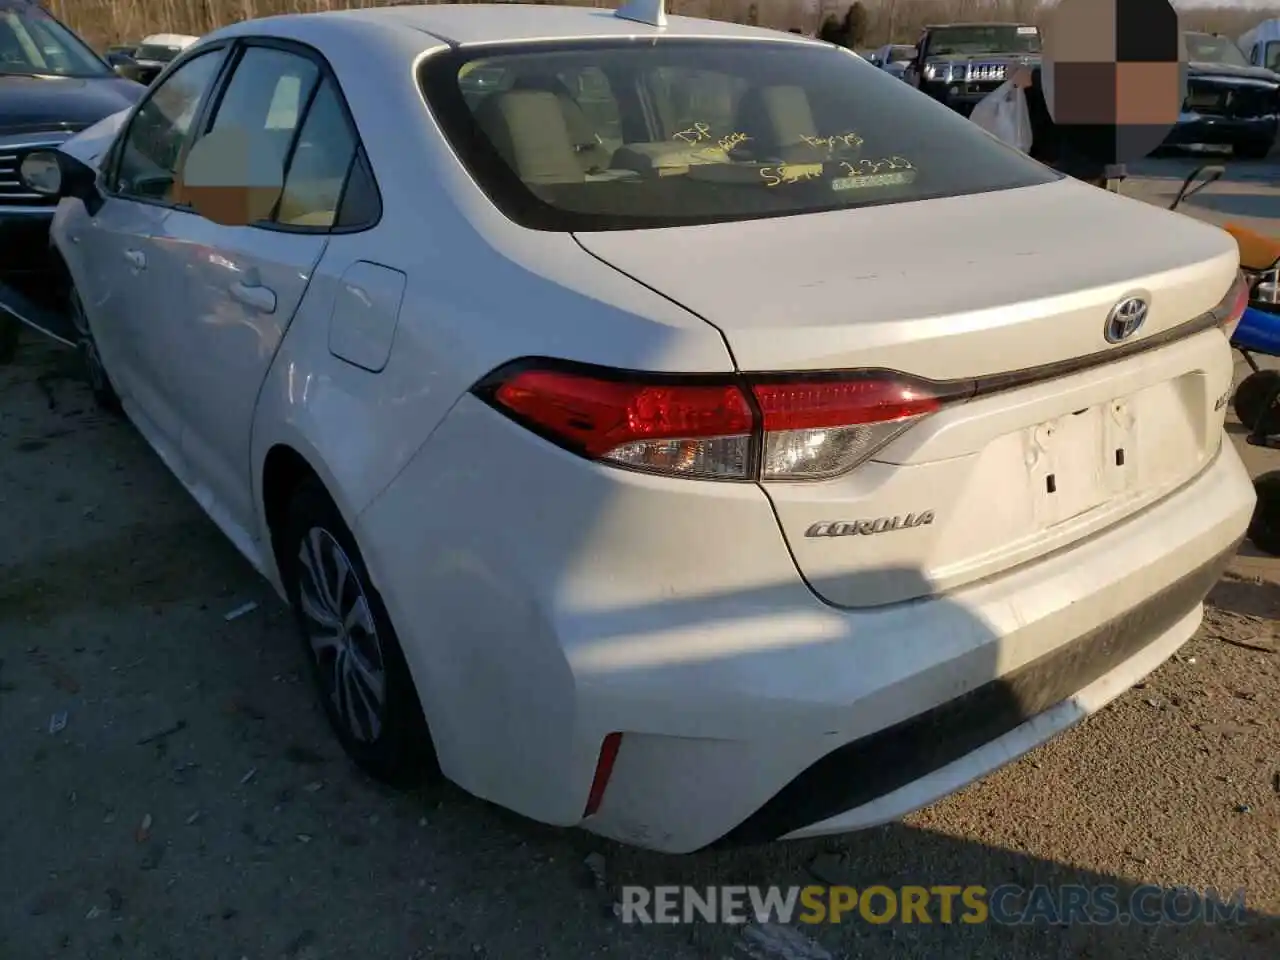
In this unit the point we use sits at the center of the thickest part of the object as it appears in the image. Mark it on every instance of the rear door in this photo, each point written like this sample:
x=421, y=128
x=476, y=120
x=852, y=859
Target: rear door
x=240, y=285
x=120, y=285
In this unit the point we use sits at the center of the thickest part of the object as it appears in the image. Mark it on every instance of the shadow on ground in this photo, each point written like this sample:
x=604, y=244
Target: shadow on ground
x=1252, y=598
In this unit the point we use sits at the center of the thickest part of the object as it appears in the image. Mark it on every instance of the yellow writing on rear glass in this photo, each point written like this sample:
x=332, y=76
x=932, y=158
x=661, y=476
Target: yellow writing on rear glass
x=694, y=134
x=701, y=132
x=790, y=173
x=869, y=168
x=849, y=139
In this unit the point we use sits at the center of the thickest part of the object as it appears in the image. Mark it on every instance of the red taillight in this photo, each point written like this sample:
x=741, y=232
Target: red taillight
x=736, y=428
x=1233, y=305
x=692, y=429
x=604, y=770
x=823, y=429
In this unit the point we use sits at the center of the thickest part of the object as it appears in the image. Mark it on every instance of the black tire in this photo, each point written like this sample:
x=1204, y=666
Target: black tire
x=1264, y=528
x=95, y=374
x=10, y=332
x=385, y=734
x=1251, y=396
x=1252, y=149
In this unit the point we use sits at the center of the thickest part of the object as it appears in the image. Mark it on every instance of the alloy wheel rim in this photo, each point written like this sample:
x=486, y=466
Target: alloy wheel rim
x=339, y=627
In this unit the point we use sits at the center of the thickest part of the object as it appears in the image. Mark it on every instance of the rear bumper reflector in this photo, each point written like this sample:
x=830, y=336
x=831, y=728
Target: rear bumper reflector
x=604, y=770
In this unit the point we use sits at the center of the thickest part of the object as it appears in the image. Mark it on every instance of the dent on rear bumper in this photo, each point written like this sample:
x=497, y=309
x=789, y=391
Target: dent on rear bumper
x=544, y=603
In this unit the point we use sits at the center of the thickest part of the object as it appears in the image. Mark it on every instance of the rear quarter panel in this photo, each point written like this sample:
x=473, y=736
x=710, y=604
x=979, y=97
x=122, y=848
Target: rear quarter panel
x=480, y=291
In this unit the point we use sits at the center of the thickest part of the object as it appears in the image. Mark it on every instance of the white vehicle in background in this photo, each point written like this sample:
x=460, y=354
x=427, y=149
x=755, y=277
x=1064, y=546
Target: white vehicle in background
x=893, y=58
x=1262, y=45
x=610, y=450
x=155, y=52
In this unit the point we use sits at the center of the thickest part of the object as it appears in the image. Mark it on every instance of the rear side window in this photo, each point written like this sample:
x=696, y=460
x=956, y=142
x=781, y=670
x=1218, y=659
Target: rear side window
x=265, y=98
x=323, y=154
x=293, y=112
x=693, y=131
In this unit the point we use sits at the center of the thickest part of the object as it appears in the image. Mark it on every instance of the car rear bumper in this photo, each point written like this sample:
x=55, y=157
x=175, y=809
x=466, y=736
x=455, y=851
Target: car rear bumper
x=1222, y=130
x=545, y=603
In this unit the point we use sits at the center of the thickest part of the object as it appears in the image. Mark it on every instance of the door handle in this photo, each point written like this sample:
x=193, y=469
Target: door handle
x=260, y=298
x=137, y=259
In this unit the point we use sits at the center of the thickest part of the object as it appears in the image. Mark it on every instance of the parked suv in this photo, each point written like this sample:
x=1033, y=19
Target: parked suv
x=52, y=85
x=1230, y=102
x=960, y=63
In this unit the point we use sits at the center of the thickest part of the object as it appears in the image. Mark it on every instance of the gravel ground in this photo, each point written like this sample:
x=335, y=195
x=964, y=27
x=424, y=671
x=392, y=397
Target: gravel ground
x=194, y=804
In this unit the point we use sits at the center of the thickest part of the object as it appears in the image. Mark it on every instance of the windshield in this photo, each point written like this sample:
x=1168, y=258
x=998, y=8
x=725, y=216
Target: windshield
x=32, y=43
x=1271, y=56
x=157, y=52
x=978, y=39
x=898, y=54
x=1205, y=48
x=618, y=135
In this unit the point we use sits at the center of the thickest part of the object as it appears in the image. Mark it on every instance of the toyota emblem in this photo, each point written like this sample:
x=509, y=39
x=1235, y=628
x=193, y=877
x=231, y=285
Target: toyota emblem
x=1125, y=318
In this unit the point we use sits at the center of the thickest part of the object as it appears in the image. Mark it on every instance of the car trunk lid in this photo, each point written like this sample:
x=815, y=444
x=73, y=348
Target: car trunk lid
x=1065, y=434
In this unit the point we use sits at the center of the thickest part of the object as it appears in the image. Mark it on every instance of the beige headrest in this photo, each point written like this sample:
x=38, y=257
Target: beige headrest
x=527, y=127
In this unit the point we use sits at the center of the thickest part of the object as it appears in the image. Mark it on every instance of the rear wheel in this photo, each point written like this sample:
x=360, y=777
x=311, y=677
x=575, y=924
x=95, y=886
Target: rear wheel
x=1252, y=396
x=104, y=394
x=356, y=662
x=1264, y=528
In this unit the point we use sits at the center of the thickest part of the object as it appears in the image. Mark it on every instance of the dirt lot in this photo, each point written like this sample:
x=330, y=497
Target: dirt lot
x=195, y=806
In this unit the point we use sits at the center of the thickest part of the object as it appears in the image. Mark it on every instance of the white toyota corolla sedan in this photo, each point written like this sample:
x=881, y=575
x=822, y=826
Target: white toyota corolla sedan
x=677, y=429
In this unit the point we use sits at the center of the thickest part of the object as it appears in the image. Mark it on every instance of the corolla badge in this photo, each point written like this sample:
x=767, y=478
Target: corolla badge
x=1125, y=318
x=866, y=528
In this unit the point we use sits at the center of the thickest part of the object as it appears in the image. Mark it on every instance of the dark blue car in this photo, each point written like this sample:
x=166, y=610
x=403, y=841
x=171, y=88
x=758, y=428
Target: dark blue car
x=52, y=85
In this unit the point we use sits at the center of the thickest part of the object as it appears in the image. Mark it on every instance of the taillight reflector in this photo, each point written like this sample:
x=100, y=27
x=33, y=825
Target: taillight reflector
x=604, y=770
x=840, y=403
x=734, y=428
x=817, y=430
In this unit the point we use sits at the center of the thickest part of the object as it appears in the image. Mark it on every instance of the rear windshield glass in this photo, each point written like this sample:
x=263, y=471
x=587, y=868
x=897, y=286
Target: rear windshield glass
x=630, y=135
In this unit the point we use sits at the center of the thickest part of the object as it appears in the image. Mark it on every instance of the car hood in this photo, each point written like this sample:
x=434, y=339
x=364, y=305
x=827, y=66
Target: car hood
x=1228, y=72
x=69, y=103
x=1030, y=58
x=960, y=286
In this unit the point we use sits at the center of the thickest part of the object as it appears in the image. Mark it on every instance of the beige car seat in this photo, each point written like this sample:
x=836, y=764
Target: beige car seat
x=593, y=156
x=777, y=119
x=529, y=131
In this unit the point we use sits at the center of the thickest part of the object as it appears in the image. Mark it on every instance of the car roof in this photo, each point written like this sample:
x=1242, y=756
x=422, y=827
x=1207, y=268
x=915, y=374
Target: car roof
x=169, y=39
x=507, y=22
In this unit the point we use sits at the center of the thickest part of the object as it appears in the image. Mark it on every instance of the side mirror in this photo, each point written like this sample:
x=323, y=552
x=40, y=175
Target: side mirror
x=52, y=173
x=227, y=182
